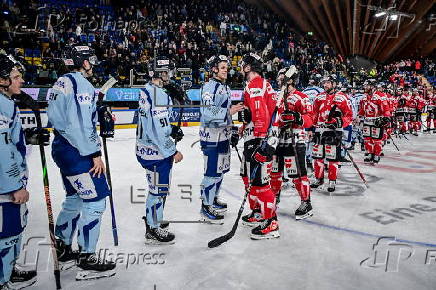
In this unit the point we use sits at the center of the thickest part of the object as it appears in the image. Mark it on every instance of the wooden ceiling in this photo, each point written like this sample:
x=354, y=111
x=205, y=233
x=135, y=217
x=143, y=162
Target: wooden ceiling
x=381, y=30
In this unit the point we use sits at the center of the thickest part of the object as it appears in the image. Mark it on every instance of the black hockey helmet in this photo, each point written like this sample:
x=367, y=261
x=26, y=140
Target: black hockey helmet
x=74, y=56
x=158, y=65
x=252, y=59
x=7, y=64
x=216, y=59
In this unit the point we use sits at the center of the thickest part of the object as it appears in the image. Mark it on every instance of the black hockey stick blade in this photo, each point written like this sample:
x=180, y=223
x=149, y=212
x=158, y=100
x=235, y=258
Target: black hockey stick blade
x=220, y=240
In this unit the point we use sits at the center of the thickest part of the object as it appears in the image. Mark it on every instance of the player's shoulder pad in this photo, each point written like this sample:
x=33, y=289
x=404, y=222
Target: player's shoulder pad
x=255, y=88
x=301, y=94
x=63, y=84
x=339, y=97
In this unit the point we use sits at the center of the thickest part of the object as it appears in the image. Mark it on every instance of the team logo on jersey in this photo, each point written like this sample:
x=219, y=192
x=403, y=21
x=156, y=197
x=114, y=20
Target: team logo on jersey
x=207, y=96
x=159, y=113
x=85, y=99
x=60, y=85
x=255, y=92
x=4, y=122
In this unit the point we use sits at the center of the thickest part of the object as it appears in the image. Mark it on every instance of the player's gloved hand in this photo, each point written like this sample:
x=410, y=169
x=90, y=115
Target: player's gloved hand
x=401, y=102
x=234, y=139
x=335, y=120
x=176, y=133
x=263, y=153
x=106, y=120
x=291, y=118
x=37, y=136
x=382, y=121
x=335, y=123
x=244, y=116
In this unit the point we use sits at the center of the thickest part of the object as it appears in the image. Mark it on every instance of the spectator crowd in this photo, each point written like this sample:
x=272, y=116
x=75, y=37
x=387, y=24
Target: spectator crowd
x=126, y=36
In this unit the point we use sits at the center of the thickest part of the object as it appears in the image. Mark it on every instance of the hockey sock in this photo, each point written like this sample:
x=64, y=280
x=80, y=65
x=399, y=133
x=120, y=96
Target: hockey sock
x=89, y=225
x=319, y=168
x=303, y=187
x=209, y=189
x=66, y=222
x=333, y=170
x=276, y=182
x=266, y=199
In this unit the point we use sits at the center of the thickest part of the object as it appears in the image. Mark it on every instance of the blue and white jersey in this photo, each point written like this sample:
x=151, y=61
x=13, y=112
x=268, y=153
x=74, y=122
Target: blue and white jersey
x=13, y=169
x=312, y=92
x=153, y=141
x=215, y=112
x=355, y=103
x=72, y=111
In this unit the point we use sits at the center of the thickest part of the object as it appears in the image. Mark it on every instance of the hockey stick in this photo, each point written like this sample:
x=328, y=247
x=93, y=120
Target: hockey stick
x=357, y=169
x=390, y=137
x=110, y=83
x=330, y=116
x=237, y=151
x=222, y=239
x=29, y=102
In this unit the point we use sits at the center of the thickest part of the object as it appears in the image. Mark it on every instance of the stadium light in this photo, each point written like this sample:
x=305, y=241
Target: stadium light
x=393, y=17
x=379, y=14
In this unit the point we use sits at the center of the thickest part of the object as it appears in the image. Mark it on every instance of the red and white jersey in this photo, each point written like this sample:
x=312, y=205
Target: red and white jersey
x=392, y=100
x=299, y=102
x=431, y=104
x=404, y=103
x=375, y=105
x=262, y=101
x=418, y=102
x=324, y=103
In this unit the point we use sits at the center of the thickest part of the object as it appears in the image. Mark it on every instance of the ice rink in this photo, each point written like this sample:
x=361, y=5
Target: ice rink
x=338, y=248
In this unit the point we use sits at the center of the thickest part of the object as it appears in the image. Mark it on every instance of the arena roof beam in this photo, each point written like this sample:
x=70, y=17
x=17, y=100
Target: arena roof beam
x=320, y=16
x=333, y=27
x=391, y=48
x=390, y=28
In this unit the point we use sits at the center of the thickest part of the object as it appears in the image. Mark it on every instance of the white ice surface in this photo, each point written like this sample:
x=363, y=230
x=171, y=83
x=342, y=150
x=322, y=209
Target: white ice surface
x=324, y=252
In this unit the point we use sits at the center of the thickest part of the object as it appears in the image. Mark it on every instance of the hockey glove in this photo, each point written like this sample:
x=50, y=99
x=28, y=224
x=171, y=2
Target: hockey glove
x=234, y=139
x=176, y=133
x=263, y=153
x=291, y=117
x=335, y=123
x=244, y=116
x=106, y=120
x=37, y=136
x=401, y=102
x=381, y=122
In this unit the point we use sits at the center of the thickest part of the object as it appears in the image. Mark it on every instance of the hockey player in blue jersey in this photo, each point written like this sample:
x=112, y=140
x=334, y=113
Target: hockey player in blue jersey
x=155, y=150
x=13, y=176
x=72, y=111
x=311, y=91
x=215, y=134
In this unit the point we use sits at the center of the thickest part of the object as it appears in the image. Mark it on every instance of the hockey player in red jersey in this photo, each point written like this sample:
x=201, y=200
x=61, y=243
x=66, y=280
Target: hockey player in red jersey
x=260, y=124
x=402, y=111
x=332, y=112
x=417, y=105
x=431, y=111
x=297, y=116
x=374, y=110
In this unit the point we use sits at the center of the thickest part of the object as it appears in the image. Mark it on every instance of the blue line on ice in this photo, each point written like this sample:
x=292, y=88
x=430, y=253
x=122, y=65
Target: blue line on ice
x=354, y=232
